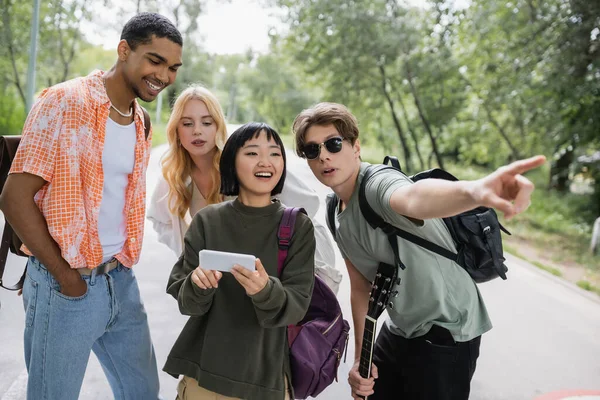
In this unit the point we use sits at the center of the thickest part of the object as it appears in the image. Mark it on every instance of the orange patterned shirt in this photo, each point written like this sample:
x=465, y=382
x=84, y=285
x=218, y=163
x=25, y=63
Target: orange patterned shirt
x=62, y=142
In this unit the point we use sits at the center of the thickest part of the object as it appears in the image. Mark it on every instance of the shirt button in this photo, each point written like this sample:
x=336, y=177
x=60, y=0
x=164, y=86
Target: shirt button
x=132, y=240
x=131, y=210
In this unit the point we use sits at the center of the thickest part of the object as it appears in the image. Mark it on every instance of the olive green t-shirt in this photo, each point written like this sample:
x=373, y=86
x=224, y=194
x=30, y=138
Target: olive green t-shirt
x=433, y=289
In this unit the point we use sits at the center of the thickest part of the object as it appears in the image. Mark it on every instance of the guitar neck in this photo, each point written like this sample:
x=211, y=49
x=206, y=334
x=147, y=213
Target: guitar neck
x=366, y=353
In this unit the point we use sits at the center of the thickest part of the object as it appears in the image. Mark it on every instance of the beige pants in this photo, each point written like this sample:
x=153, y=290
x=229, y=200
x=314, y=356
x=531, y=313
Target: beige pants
x=188, y=389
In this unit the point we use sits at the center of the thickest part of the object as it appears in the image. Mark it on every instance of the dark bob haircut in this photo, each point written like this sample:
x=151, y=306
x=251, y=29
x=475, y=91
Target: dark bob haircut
x=141, y=27
x=230, y=185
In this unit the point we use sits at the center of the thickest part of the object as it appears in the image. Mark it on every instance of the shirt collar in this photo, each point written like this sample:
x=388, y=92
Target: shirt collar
x=99, y=95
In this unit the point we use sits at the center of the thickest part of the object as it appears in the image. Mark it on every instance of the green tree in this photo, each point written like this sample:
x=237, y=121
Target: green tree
x=274, y=92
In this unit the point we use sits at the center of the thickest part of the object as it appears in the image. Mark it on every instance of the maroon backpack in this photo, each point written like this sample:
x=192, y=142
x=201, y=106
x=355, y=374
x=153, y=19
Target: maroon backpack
x=319, y=340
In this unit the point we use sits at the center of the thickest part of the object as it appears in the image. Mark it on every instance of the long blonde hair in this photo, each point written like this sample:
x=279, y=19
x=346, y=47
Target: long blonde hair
x=177, y=163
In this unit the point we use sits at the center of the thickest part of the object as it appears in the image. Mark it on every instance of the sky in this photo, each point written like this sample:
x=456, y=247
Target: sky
x=229, y=27
x=235, y=27
x=225, y=27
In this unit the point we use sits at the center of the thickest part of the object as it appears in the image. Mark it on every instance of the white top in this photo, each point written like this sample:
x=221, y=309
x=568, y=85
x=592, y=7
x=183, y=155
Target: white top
x=118, y=159
x=171, y=229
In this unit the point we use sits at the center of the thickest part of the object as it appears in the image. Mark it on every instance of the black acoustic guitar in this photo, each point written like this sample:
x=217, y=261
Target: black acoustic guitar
x=381, y=291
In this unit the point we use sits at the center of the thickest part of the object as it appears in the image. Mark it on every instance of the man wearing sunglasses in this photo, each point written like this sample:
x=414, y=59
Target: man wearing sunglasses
x=428, y=347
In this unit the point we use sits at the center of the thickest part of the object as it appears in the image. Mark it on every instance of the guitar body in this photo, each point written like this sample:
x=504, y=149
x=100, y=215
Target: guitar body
x=381, y=291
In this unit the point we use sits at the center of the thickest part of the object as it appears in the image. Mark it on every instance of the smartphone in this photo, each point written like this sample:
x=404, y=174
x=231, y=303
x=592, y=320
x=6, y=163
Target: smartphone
x=224, y=261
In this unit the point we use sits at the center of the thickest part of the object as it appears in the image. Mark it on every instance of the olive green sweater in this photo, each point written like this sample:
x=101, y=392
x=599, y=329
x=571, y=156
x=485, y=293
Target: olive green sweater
x=235, y=344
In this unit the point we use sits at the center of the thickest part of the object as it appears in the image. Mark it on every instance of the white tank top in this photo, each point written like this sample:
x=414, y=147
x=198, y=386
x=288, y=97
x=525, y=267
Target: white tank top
x=118, y=158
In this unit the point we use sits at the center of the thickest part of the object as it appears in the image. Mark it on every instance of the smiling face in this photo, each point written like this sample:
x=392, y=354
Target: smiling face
x=197, y=129
x=150, y=67
x=336, y=170
x=259, y=166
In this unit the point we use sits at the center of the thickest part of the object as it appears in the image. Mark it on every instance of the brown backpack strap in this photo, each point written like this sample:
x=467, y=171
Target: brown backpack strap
x=8, y=149
x=6, y=241
x=147, y=123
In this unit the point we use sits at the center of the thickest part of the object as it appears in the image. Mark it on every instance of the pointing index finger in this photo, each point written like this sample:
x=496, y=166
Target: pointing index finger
x=522, y=166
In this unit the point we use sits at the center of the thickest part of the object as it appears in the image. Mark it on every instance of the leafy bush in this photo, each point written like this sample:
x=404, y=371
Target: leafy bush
x=12, y=115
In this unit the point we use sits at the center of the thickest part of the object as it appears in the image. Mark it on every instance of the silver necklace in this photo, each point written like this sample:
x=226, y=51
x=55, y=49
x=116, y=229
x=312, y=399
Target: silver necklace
x=120, y=113
x=115, y=108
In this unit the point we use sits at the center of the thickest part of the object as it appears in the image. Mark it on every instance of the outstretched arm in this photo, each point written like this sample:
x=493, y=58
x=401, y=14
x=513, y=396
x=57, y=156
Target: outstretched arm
x=506, y=190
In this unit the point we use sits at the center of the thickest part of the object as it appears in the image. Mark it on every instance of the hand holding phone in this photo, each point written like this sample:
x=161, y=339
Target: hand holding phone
x=206, y=278
x=252, y=281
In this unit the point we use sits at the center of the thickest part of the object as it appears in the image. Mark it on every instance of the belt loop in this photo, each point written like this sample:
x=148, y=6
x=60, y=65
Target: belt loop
x=93, y=276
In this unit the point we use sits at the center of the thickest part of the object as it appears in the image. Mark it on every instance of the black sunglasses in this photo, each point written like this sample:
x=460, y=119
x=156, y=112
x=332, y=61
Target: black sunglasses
x=333, y=145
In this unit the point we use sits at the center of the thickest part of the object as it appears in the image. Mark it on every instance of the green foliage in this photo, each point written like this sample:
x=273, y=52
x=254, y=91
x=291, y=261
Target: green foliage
x=434, y=84
x=12, y=115
x=586, y=285
x=90, y=58
x=274, y=93
x=513, y=250
x=159, y=134
x=552, y=270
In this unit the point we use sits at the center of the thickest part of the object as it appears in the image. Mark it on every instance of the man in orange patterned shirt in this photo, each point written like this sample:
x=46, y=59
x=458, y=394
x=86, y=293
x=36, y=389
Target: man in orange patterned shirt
x=76, y=197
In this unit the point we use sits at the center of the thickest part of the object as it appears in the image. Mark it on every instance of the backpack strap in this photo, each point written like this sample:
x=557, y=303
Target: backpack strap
x=285, y=233
x=375, y=221
x=8, y=150
x=393, y=160
x=331, y=201
x=147, y=122
x=6, y=241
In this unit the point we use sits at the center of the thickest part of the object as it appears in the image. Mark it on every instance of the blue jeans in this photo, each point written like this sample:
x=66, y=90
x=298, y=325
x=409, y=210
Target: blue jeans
x=60, y=331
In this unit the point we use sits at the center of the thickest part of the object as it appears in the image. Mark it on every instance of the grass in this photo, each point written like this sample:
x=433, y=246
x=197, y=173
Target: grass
x=554, y=222
x=559, y=224
x=552, y=270
x=586, y=285
x=514, y=251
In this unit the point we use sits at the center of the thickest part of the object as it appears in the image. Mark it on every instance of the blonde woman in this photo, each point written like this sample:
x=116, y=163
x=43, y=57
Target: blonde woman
x=196, y=135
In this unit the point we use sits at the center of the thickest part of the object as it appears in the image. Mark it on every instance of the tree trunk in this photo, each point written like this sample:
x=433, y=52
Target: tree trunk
x=405, y=148
x=68, y=59
x=413, y=90
x=513, y=149
x=11, y=49
x=559, y=170
x=412, y=132
x=595, y=244
x=493, y=121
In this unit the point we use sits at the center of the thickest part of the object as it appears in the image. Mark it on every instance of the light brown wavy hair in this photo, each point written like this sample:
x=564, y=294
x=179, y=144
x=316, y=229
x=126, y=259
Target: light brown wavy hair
x=177, y=163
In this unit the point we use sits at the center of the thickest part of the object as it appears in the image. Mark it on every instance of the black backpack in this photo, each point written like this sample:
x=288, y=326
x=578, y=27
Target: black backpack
x=476, y=233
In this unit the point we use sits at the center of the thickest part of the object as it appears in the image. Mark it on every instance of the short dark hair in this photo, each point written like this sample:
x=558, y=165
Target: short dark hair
x=140, y=29
x=230, y=185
